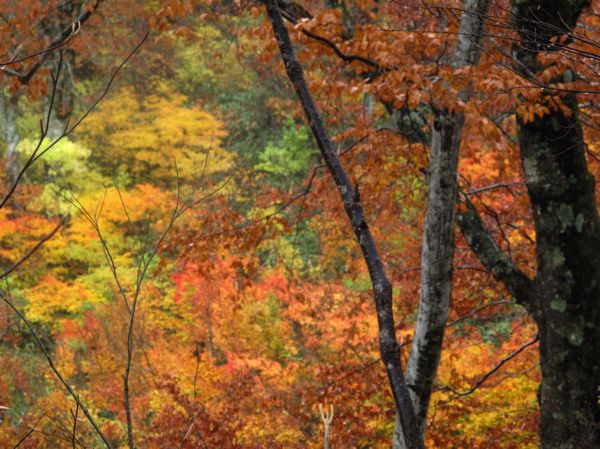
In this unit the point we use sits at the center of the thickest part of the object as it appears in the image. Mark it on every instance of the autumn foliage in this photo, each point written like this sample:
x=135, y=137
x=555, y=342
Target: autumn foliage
x=256, y=307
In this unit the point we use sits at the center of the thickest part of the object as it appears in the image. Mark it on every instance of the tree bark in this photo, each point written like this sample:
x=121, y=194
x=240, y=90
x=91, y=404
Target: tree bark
x=11, y=137
x=563, y=297
x=382, y=288
x=438, y=237
x=567, y=287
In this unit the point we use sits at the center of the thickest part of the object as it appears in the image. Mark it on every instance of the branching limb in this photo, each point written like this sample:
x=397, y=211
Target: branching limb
x=28, y=434
x=33, y=157
x=74, y=432
x=493, y=258
x=132, y=298
x=472, y=314
x=44, y=127
x=131, y=302
x=327, y=419
x=487, y=375
x=340, y=54
x=39, y=150
x=293, y=12
x=65, y=35
x=194, y=412
x=37, y=246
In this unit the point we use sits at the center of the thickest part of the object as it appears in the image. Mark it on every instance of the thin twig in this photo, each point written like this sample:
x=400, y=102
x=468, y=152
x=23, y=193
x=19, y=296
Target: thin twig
x=59, y=41
x=30, y=431
x=75, y=417
x=37, y=246
x=54, y=368
x=492, y=371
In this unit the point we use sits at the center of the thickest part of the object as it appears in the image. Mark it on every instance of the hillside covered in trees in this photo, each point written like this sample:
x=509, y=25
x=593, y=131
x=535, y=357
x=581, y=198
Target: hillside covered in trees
x=350, y=224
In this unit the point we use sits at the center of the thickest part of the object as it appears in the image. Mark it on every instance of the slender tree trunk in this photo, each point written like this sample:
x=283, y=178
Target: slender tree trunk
x=436, y=266
x=10, y=135
x=382, y=288
x=438, y=238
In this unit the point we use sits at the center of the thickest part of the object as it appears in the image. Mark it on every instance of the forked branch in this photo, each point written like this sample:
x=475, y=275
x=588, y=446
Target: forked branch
x=59, y=41
x=327, y=418
x=493, y=258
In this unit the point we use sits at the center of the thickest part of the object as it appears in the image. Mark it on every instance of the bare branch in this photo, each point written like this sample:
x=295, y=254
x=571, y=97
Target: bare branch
x=193, y=413
x=6, y=298
x=37, y=246
x=487, y=375
x=43, y=133
x=74, y=432
x=34, y=156
x=327, y=419
x=506, y=185
x=59, y=41
x=493, y=258
x=30, y=431
x=472, y=314
x=38, y=151
x=343, y=56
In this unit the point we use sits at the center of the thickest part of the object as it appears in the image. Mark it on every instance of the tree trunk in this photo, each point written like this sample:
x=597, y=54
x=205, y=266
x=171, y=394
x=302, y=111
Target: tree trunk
x=438, y=238
x=11, y=137
x=567, y=287
x=570, y=375
x=381, y=286
x=563, y=297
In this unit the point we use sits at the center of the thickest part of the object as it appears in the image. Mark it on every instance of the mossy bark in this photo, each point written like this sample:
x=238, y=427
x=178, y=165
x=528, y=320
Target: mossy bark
x=566, y=294
x=565, y=301
x=564, y=297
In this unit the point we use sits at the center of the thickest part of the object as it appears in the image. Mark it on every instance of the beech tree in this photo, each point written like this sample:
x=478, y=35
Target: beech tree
x=563, y=296
x=438, y=235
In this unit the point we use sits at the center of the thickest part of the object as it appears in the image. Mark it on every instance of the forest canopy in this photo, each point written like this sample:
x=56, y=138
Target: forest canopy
x=299, y=224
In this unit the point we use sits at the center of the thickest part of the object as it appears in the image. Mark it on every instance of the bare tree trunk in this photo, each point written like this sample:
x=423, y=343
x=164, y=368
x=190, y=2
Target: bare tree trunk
x=438, y=237
x=382, y=288
x=567, y=286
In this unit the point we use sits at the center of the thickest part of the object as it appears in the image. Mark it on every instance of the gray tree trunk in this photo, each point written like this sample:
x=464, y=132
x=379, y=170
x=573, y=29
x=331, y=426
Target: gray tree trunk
x=64, y=99
x=438, y=238
x=10, y=135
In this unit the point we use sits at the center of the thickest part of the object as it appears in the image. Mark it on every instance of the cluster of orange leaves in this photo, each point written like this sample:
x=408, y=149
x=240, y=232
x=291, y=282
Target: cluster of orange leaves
x=233, y=354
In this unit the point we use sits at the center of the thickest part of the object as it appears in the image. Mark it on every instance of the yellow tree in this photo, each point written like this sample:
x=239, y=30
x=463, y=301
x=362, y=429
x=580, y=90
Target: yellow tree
x=143, y=135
